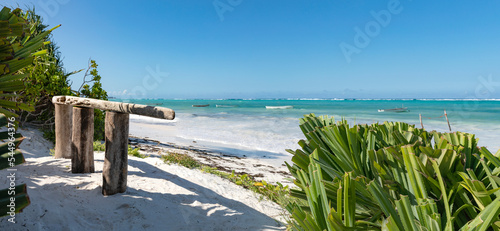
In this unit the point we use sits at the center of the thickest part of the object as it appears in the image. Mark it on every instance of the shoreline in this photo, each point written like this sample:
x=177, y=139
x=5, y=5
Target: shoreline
x=255, y=168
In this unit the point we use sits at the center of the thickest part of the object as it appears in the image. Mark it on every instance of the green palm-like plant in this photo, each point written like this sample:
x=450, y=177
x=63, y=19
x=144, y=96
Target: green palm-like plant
x=17, y=50
x=392, y=176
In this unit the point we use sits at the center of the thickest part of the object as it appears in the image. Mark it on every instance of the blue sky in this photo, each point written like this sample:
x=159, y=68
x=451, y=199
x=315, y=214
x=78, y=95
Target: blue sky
x=260, y=49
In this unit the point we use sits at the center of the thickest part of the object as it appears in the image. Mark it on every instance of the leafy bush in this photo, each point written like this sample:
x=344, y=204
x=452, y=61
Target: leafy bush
x=392, y=176
x=46, y=77
x=96, y=92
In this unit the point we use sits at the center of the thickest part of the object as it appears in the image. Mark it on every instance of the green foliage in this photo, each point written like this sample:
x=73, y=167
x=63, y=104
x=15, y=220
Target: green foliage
x=392, y=176
x=18, y=49
x=46, y=78
x=180, y=159
x=99, y=146
x=96, y=92
x=276, y=193
x=135, y=152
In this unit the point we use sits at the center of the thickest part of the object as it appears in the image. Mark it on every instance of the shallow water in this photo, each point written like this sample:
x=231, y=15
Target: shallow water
x=248, y=128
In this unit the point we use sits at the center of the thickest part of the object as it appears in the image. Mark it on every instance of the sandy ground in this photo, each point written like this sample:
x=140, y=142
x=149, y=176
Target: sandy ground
x=257, y=168
x=159, y=196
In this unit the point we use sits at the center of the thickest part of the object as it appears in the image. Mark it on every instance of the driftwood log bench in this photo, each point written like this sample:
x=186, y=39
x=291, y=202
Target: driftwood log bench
x=74, y=121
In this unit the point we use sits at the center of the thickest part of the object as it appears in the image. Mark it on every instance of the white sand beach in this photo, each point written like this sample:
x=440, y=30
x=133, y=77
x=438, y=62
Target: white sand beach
x=158, y=197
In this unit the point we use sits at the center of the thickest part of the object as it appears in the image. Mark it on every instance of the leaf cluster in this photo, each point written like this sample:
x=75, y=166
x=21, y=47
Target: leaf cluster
x=392, y=176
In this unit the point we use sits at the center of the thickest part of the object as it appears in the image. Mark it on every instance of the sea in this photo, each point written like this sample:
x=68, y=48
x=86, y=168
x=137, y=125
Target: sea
x=245, y=127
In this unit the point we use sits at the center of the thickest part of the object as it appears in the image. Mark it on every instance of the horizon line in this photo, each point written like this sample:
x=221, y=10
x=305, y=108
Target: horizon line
x=312, y=99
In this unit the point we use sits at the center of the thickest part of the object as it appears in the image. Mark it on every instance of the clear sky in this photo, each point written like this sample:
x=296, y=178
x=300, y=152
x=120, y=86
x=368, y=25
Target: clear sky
x=282, y=48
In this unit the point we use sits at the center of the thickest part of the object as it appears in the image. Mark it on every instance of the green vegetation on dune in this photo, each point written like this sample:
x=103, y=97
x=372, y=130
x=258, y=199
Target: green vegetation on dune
x=180, y=159
x=274, y=192
x=392, y=176
x=135, y=152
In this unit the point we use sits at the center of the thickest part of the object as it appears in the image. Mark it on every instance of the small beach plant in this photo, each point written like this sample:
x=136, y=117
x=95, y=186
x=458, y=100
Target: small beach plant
x=135, y=152
x=274, y=192
x=18, y=48
x=180, y=159
x=99, y=146
x=392, y=176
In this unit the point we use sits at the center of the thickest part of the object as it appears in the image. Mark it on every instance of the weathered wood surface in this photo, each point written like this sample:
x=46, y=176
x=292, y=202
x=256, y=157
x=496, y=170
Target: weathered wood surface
x=63, y=116
x=114, y=173
x=82, y=160
x=156, y=112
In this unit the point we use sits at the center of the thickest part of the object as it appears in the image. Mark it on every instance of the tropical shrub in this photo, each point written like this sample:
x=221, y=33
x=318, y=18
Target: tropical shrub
x=392, y=176
x=96, y=92
x=18, y=48
x=46, y=78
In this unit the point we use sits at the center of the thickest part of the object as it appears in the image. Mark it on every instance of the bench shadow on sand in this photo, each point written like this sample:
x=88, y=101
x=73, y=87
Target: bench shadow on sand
x=234, y=210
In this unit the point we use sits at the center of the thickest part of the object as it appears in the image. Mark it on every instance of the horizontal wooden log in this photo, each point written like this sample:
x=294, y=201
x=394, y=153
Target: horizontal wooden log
x=138, y=109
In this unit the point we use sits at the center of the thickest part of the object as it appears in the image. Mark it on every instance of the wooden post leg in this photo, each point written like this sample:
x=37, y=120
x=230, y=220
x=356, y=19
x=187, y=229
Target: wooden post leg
x=63, y=116
x=82, y=160
x=446, y=115
x=114, y=173
x=420, y=115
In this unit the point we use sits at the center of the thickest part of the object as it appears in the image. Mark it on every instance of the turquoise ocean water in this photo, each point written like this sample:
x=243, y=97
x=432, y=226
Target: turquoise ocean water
x=247, y=127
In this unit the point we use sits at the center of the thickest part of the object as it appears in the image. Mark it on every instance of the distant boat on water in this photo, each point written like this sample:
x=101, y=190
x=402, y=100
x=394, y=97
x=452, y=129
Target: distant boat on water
x=279, y=107
x=399, y=109
x=226, y=105
x=201, y=105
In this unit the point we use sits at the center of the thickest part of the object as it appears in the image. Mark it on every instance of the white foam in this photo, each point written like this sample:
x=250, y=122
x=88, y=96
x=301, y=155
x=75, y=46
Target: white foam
x=269, y=135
